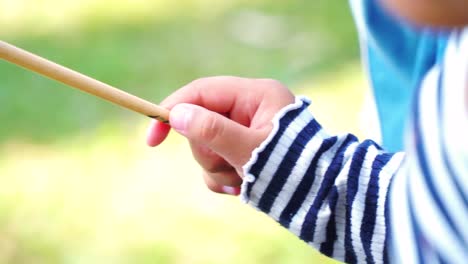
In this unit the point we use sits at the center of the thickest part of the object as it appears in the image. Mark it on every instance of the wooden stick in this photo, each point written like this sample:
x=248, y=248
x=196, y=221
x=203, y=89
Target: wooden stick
x=82, y=82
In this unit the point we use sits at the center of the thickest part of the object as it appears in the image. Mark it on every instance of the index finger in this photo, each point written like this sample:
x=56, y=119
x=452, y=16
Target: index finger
x=219, y=94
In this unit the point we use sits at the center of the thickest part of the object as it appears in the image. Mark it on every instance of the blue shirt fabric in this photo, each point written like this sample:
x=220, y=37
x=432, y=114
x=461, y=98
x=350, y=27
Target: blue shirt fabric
x=398, y=55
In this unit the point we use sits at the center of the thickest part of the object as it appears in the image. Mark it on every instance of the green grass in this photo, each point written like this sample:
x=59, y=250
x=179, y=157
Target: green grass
x=78, y=184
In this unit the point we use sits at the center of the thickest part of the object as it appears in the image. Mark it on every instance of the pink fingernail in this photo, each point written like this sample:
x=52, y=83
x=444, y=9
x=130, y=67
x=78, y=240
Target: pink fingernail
x=231, y=190
x=150, y=128
x=180, y=118
x=150, y=133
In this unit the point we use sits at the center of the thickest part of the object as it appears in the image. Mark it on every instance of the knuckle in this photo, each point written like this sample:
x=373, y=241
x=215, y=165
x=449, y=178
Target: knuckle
x=212, y=187
x=215, y=180
x=216, y=167
x=200, y=82
x=210, y=129
x=210, y=183
x=232, y=181
x=196, y=85
x=272, y=83
x=276, y=88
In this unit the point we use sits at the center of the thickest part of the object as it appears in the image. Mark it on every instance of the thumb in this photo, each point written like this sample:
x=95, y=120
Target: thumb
x=229, y=139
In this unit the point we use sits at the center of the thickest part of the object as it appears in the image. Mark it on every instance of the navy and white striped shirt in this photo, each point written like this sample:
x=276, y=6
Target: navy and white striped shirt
x=358, y=203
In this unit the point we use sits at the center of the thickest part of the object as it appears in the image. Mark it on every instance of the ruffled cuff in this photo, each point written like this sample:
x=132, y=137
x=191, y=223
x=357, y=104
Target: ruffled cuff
x=265, y=159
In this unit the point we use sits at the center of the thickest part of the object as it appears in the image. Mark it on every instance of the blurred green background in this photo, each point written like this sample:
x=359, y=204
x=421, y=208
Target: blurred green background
x=78, y=184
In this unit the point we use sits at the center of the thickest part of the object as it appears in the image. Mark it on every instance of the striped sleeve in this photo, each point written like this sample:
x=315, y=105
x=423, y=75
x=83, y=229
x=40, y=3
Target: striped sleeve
x=330, y=190
x=352, y=200
x=429, y=199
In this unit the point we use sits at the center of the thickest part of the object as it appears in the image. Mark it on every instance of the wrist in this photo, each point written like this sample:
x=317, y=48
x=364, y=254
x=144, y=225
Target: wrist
x=280, y=122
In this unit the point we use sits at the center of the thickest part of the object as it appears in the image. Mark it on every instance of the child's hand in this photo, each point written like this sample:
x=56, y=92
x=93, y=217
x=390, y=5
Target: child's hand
x=224, y=119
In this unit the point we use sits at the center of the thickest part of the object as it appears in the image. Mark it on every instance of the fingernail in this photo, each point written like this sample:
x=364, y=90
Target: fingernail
x=180, y=117
x=231, y=190
x=150, y=133
x=150, y=129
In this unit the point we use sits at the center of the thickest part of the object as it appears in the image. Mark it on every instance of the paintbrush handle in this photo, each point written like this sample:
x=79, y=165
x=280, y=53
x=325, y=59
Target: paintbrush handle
x=80, y=81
